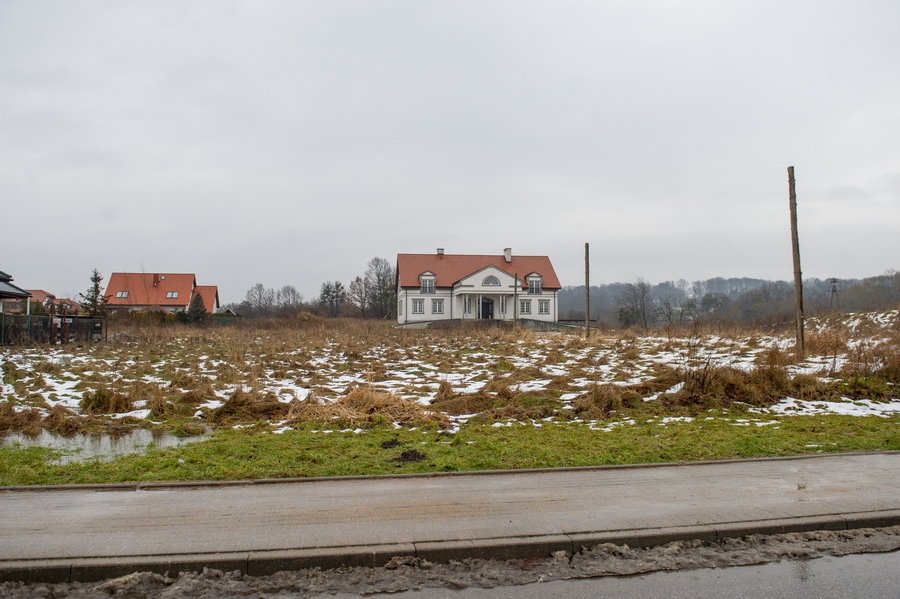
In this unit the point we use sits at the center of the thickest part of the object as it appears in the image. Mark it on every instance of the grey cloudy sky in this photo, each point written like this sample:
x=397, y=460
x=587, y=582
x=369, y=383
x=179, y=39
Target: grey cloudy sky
x=290, y=142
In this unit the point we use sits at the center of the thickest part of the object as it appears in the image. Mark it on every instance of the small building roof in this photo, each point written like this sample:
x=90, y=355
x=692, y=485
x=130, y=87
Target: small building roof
x=147, y=289
x=39, y=295
x=451, y=268
x=10, y=291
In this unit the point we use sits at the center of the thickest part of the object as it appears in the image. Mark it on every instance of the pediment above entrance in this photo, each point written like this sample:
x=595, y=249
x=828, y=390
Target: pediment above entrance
x=488, y=279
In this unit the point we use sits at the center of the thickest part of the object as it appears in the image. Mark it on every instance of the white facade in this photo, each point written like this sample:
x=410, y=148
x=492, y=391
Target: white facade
x=487, y=294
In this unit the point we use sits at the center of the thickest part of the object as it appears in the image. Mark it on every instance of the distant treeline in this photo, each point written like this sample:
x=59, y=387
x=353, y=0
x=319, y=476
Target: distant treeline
x=721, y=300
x=370, y=295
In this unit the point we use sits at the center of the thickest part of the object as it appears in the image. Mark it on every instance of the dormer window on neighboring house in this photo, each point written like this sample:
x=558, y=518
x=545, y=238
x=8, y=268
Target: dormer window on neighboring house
x=121, y=294
x=534, y=284
x=491, y=281
x=171, y=295
x=427, y=281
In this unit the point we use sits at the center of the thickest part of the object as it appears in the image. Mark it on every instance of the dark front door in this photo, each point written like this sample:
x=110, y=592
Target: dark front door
x=487, y=308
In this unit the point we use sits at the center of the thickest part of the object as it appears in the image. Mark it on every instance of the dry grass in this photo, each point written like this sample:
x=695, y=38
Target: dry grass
x=464, y=404
x=27, y=421
x=721, y=386
x=598, y=402
x=873, y=360
x=105, y=401
x=362, y=405
x=61, y=421
x=248, y=407
x=826, y=343
x=195, y=363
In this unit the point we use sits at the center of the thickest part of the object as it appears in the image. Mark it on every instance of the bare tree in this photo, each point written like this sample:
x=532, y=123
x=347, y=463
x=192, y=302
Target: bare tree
x=381, y=279
x=671, y=310
x=288, y=301
x=359, y=295
x=635, y=303
x=260, y=300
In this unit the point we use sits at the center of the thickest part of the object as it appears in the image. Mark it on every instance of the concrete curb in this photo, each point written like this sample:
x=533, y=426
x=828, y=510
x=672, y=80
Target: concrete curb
x=262, y=563
x=150, y=486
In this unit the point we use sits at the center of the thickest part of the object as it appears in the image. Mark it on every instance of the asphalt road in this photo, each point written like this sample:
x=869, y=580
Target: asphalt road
x=266, y=526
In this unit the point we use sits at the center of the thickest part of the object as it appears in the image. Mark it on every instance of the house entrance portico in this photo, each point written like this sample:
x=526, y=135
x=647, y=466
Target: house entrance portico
x=487, y=308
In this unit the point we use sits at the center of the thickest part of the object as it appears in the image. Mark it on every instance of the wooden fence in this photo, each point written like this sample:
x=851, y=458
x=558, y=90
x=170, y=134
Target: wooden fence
x=19, y=329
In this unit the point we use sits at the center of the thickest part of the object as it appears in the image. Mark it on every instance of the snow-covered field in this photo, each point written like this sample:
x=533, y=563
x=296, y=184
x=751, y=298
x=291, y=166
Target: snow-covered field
x=288, y=366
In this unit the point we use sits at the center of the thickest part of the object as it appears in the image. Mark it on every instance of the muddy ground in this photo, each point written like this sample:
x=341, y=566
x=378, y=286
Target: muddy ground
x=411, y=573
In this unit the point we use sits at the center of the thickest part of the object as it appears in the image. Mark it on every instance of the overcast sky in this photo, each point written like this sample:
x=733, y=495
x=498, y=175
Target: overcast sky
x=290, y=142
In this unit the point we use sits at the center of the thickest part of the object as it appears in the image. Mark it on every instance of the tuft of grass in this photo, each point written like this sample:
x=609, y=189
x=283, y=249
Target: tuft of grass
x=362, y=405
x=463, y=404
x=105, y=401
x=247, y=408
x=27, y=420
x=61, y=421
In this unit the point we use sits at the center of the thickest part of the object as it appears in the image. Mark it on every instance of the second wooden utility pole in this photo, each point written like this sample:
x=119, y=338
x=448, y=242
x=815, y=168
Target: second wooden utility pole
x=798, y=276
x=587, y=291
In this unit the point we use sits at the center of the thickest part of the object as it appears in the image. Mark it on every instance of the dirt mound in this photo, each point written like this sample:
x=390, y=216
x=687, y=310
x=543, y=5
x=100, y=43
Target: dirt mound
x=409, y=456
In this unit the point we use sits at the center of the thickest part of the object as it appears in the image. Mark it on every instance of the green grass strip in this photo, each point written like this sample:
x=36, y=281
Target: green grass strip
x=254, y=454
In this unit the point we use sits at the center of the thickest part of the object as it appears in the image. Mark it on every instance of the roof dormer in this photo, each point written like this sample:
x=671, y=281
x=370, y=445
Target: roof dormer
x=426, y=281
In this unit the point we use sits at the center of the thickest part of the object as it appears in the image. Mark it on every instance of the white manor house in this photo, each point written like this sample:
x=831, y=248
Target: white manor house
x=439, y=286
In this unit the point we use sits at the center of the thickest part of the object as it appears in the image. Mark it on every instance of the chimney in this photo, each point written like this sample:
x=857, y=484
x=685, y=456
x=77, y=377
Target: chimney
x=440, y=251
x=507, y=255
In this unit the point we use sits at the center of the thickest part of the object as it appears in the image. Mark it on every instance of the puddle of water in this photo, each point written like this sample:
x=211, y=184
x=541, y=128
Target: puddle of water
x=78, y=448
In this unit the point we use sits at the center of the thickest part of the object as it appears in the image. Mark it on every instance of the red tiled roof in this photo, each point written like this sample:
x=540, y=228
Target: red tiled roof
x=71, y=305
x=39, y=295
x=450, y=268
x=210, y=295
x=145, y=289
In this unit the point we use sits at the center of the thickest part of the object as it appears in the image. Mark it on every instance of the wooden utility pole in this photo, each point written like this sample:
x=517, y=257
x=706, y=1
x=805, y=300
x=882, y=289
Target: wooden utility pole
x=587, y=291
x=798, y=276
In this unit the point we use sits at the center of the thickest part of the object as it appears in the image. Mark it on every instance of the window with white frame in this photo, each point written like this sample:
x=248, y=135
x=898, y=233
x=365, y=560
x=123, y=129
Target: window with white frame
x=418, y=307
x=466, y=306
x=121, y=294
x=534, y=286
x=427, y=284
x=171, y=295
x=524, y=306
x=502, y=305
x=491, y=281
x=437, y=306
x=544, y=307
x=400, y=308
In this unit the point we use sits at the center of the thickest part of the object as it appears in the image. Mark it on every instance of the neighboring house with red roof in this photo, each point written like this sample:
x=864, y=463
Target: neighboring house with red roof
x=441, y=286
x=11, y=302
x=47, y=299
x=172, y=292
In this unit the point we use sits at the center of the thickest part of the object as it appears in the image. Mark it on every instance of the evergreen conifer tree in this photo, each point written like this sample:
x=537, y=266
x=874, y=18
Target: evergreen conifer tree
x=94, y=301
x=197, y=310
